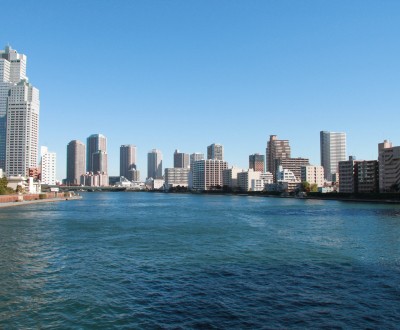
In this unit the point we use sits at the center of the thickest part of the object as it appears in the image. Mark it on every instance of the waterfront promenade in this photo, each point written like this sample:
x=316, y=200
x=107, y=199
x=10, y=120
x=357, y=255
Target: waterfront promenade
x=20, y=200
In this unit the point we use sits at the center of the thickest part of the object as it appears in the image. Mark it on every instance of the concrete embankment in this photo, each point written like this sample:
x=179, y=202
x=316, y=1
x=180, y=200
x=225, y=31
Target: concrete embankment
x=26, y=199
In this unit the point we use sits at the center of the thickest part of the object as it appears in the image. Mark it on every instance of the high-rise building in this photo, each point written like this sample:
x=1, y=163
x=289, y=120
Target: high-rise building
x=154, y=164
x=76, y=162
x=22, y=133
x=276, y=149
x=22, y=101
x=100, y=162
x=95, y=143
x=48, y=166
x=208, y=174
x=181, y=160
x=127, y=161
x=256, y=162
x=215, y=151
x=333, y=151
x=194, y=157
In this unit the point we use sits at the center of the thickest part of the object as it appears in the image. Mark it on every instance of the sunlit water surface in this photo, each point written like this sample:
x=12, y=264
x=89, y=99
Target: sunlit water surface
x=149, y=260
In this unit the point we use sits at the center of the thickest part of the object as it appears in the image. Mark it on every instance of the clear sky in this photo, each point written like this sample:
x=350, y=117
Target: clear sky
x=185, y=74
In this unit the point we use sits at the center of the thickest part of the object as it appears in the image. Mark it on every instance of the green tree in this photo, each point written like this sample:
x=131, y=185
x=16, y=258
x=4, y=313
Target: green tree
x=4, y=190
x=314, y=187
x=305, y=186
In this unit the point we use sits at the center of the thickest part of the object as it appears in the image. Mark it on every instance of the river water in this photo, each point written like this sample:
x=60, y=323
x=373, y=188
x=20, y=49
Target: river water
x=154, y=261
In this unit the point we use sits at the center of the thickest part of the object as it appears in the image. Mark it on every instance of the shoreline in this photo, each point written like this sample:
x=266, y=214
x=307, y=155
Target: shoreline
x=47, y=200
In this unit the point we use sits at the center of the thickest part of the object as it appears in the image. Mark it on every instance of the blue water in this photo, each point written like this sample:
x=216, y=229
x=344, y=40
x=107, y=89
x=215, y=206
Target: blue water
x=152, y=261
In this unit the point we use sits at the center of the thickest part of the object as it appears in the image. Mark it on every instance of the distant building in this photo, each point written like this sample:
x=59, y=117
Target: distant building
x=33, y=172
x=176, y=177
x=389, y=167
x=48, y=166
x=181, y=160
x=347, y=175
x=367, y=176
x=229, y=177
x=215, y=151
x=207, y=174
x=312, y=175
x=127, y=160
x=94, y=180
x=257, y=162
x=359, y=176
x=194, y=157
x=100, y=162
x=276, y=149
x=246, y=178
x=134, y=175
x=292, y=164
x=285, y=178
x=154, y=164
x=95, y=143
x=333, y=150
x=76, y=162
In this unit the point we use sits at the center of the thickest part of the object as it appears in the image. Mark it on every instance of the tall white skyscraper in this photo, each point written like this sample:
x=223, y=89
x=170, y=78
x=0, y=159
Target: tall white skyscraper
x=154, y=164
x=333, y=151
x=48, y=166
x=12, y=71
x=22, y=133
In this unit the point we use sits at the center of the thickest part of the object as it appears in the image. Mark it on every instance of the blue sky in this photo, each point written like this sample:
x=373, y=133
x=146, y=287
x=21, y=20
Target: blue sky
x=185, y=74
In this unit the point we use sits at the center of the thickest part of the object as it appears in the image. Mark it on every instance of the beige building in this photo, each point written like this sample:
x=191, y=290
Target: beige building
x=389, y=166
x=176, y=177
x=313, y=174
x=207, y=174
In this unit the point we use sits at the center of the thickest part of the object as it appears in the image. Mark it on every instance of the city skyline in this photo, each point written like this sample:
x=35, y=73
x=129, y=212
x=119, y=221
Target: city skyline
x=200, y=68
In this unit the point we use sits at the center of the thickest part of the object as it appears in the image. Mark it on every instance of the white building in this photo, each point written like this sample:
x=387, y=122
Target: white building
x=22, y=129
x=229, y=177
x=207, y=174
x=176, y=177
x=48, y=166
x=245, y=179
x=13, y=72
x=313, y=175
x=333, y=151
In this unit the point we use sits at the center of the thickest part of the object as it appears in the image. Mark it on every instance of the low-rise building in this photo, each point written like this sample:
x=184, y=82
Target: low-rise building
x=176, y=177
x=229, y=177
